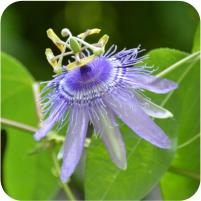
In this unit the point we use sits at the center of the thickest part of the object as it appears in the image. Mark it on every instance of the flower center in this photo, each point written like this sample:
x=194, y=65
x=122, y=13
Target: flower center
x=89, y=76
x=90, y=81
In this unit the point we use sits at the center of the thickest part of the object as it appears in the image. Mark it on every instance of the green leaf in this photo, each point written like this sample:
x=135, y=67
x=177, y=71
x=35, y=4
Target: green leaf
x=25, y=177
x=196, y=42
x=146, y=163
x=182, y=181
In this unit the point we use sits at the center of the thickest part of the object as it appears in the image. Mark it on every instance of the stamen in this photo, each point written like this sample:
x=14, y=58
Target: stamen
x=50, y=57
x=75, y=46
x=89, y=32
x=55, y=39
x=81, y=63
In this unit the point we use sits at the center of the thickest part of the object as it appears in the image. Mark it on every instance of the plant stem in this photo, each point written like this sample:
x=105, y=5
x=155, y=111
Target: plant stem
x=177, y=64
x=188, y=141
x=65, y=186
x=68, y=192
x=18, y=125
x=184, y=172
x=36, y=91
x=178, y=81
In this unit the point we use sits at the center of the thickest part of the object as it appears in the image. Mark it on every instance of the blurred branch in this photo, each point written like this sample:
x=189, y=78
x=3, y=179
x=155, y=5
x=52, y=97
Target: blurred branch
x=188, y=141
x=177, y=64
x=65, y=186
x=184, y=172
x=36, y=91
x=187, y=70
x=18, y=125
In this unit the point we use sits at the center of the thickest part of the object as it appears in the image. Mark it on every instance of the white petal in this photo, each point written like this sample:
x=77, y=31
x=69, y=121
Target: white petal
x=151, y=108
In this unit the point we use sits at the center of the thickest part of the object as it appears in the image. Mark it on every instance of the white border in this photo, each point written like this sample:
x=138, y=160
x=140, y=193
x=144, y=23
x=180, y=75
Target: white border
x=4, y=196
x=197, y=6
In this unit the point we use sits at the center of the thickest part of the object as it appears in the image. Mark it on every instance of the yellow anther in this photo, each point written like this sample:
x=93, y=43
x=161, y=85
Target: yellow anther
x=103, y=40
x=55, y=39
x=84, y=61
x=89, y=32
x=74, y=46
x=50, y=57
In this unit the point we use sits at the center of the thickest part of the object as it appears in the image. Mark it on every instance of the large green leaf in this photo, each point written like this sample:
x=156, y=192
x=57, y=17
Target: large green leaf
x=146, y=163
x=24, y=176
x=186, y=160
x=182, y=180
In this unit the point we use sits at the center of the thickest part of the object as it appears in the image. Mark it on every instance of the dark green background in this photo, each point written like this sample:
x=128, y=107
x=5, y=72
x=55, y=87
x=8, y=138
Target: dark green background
x=151, y=24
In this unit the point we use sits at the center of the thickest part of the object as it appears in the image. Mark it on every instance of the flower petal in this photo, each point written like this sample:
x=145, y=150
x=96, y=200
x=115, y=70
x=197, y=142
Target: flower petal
x=104, y=123
x=53, y=118
x=128, y=109
x=151, y=108
x=152, y=83
x=42, y=132
x=74, y=143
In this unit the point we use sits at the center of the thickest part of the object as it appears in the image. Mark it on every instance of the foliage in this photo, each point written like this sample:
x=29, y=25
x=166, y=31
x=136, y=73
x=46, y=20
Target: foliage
x=25, y=176
x=31, y=176
x=184, y=173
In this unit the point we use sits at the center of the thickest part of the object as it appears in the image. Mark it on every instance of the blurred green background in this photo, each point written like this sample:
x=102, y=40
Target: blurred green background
x=151, y=24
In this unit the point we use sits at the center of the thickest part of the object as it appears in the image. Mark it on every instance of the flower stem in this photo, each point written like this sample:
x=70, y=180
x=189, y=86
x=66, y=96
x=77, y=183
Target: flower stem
x=68, y=192
x=64, y=186
x=177, y=64
x=184, y=172
x=18, y=125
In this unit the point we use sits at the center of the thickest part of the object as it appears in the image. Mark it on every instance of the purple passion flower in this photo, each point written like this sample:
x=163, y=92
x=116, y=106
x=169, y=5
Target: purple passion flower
x=109, y=86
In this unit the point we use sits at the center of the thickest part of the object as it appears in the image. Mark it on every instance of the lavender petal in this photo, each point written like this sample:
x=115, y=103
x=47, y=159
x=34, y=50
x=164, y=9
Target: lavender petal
x=74, y=143
x=128, y=109
x=42, y=132
x=53, y=118
x=104, y=123
x=152, y=83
